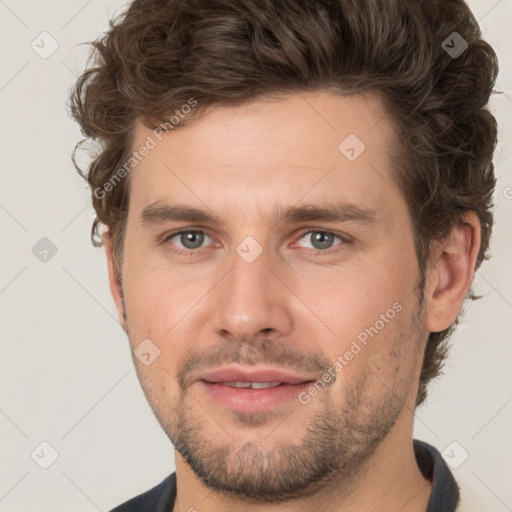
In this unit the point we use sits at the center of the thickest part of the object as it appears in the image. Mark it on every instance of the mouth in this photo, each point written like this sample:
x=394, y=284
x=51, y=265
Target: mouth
x=253, y=385
x=253, y=396
x=253, y=391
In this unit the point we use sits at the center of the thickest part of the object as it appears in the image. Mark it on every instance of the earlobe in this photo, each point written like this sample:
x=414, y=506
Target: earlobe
x=449, y=279
x=114, y=277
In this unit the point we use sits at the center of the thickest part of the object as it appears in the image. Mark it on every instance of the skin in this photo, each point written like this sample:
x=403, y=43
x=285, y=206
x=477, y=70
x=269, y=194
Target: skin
x=294, y=307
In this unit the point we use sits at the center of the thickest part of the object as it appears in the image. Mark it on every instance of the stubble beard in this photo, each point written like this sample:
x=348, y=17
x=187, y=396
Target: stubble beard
x=333, y=448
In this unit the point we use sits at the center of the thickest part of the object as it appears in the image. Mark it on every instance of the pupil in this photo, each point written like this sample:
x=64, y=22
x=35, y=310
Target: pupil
x=192, y=239
x=324, y=240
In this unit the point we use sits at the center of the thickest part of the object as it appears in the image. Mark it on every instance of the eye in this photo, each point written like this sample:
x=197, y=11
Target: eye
x=323, y=240
x=188, y=239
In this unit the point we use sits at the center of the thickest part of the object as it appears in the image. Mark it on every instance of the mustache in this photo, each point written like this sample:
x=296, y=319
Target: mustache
x=265, y=351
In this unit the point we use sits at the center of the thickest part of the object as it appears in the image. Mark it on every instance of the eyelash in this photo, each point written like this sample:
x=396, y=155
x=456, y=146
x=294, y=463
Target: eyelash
x=345, y=239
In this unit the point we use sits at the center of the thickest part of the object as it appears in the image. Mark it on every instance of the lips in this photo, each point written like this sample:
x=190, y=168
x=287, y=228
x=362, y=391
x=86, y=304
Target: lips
x=255, y=390
x=230, y=376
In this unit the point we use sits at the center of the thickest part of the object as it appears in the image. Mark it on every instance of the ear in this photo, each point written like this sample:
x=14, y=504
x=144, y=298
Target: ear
x=114, y=278
x=449, y=279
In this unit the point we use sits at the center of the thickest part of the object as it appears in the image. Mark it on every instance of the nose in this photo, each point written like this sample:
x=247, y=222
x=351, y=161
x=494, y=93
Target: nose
x=251, y=302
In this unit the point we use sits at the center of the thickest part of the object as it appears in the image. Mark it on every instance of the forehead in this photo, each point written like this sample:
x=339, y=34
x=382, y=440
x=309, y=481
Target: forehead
x=273, y=150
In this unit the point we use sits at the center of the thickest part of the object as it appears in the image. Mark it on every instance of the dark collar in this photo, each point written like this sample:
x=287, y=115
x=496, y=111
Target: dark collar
x=445, y=491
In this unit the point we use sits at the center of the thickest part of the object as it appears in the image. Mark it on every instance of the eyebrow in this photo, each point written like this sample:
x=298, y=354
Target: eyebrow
x=159, y=213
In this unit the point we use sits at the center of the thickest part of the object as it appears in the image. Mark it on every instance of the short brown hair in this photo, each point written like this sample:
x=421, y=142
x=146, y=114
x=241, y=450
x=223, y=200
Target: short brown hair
x=160, y=53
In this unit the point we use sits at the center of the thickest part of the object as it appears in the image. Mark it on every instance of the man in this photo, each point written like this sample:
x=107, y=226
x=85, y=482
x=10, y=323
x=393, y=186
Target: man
x=295, y=196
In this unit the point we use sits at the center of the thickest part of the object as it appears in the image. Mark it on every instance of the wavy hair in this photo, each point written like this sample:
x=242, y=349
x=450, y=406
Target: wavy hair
x=157, y=54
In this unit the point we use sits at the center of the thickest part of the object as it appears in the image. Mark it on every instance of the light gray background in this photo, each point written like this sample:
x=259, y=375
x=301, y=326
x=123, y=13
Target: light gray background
x=66, y=372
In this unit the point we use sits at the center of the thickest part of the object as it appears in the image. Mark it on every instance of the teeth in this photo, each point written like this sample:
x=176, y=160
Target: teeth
x=263, y=385
x=253, y=385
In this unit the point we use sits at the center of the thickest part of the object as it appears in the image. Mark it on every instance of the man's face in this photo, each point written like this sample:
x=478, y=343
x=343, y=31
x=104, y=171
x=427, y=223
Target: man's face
x=252, y=290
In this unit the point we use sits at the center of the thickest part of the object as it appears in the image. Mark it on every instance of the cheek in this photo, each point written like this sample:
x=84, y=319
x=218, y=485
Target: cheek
x=160, y=307
x=153, y=309
x=369, y=311
x=354, y=303
x=158, y=298
x=160, y=387
x=380, y=363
